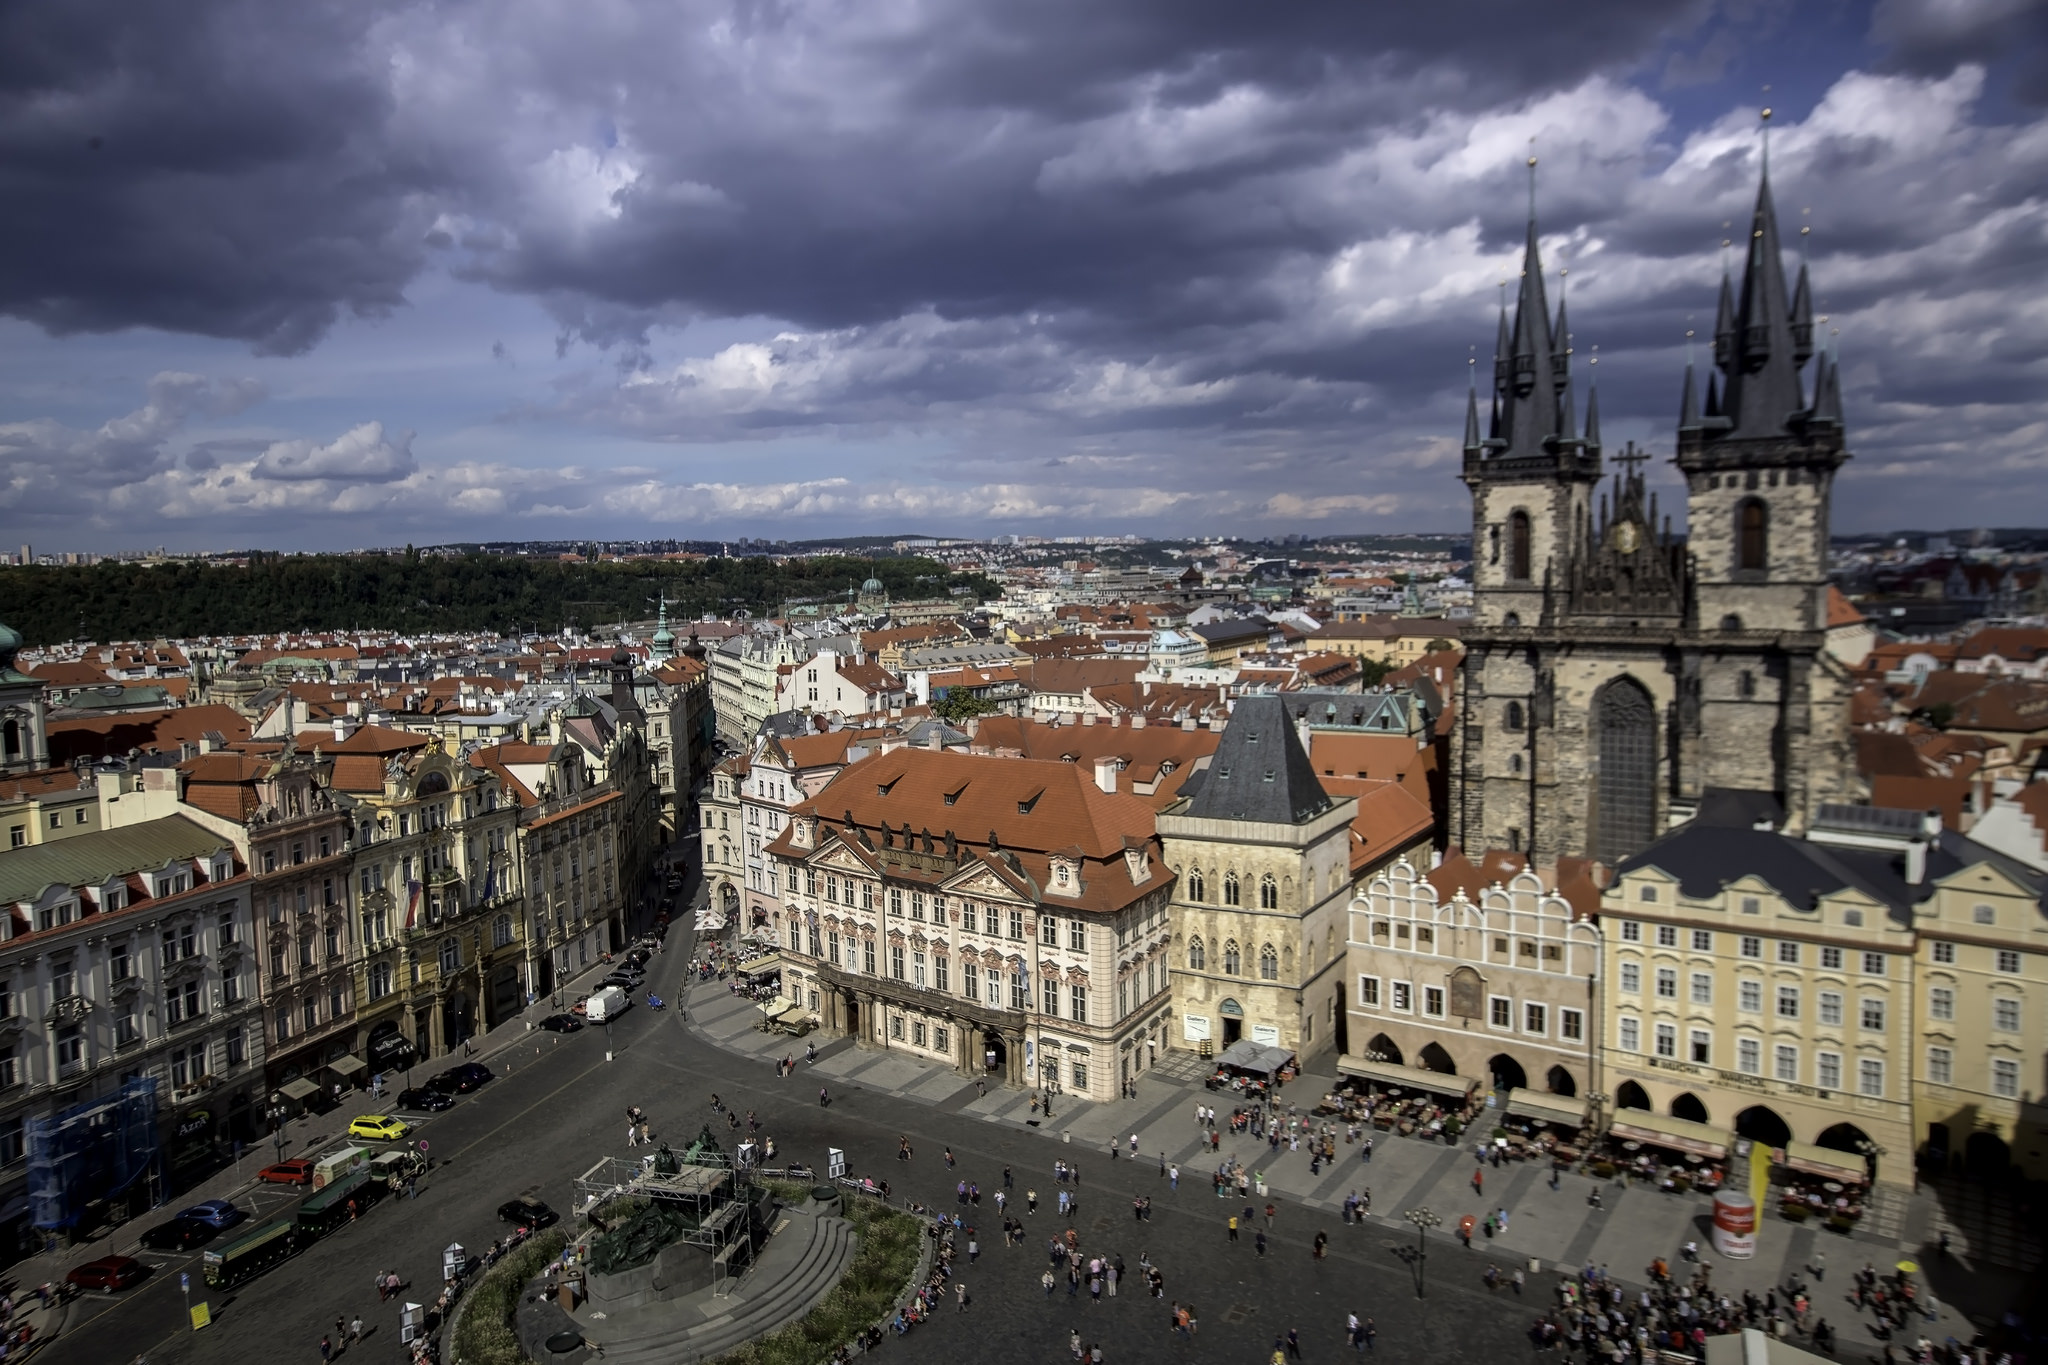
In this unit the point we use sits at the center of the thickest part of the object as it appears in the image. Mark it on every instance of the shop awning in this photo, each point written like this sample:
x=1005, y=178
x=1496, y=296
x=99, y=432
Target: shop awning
x=299, y=1089
x=1825, y=1162
x=347, y=1066
x=1678, y=1135
x=1246, y=1055
x=1548, y=1108
x=778, y=1007
x=1408, y=1077
x=761, y=966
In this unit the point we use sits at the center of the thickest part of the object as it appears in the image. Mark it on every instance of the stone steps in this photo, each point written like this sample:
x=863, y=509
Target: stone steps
x=777, y=1291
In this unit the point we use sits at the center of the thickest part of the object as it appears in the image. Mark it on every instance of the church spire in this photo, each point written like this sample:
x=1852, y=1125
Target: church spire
x=1593, y=403
x=1689, y=398
x=1529, y=380
x=1763, y=388
x=1473, y=443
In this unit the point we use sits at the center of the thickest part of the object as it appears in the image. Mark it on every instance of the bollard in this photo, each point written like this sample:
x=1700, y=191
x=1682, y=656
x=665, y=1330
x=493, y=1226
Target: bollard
x=1066, y=1135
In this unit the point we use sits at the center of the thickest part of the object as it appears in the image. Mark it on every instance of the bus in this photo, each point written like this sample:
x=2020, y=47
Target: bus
x=325, y=1210
x=253, y=1251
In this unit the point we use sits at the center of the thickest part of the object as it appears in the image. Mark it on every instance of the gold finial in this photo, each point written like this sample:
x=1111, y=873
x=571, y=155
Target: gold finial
x=1767, y=113
x=1688, y=333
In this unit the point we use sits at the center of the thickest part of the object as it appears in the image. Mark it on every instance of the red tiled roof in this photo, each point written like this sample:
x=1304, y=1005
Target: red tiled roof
x=157, y=731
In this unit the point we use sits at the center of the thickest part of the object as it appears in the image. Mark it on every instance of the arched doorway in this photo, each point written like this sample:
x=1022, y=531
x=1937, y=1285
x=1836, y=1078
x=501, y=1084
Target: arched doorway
x=544, y=975
x=1986, y=1155
x=1631, y=1096
x=1233, y=1021
x=1843, y=1137
x=995, y=1053
x=1385, y=1049
x=458, y=1018
x=851, y=1004
x=1760, y=1123
x=1434, y=1058
x=1624, y=788
x=1688, y=1106
x=1507, y=1073
x=1561, y=1083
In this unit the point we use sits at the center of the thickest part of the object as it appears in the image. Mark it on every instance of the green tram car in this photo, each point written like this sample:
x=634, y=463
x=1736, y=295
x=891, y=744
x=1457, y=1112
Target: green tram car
x=263, y=1247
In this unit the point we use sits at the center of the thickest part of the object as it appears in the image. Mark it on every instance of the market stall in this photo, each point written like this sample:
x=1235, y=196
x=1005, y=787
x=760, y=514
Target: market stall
x=1411, y=1100
x=1538, y=1122
x=1674, y=1154
x=1820, y=1182
x=1251, y=1067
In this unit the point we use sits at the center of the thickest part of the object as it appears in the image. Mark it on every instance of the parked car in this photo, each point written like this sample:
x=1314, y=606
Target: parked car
x=561, y=1023
x=636, y=960
x=179, y=1234
x=625, y=981
x=215, y=1213
x=377, y=1127
x=108, y=1273
x=297, y=1171
x=460, y=1080
x=528, y=1212
x=424, y=1099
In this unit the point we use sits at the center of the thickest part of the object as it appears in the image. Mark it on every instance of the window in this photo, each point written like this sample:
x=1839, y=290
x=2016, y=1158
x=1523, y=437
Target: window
x=1536, y=1020
x=126, y=1031
x=2008, y=961
x=1077, y=1004
x=1941, y=1002
x=1703, y=940
x=1404, y=997
x=995, y=988
x=867, y=956
x=1269, y=963
x=832, y=947
x=1630, y=1035
x=1945, y=953
x=1017, y=925
x=1080, y=1074
x=1871, y=1014
x=970, y=980
x=181, y=1003
x=1571, y=1025
x=939, y=1037
x=917, y=1032
x=231, y=990
x=1631, y=931
x=896, y=1027
x=1231, y=960
x=1501, y=1012
x=1520, y=557
x=2005, y=1013
x=939, y=969
x=1940, y=1066
x=1269, y=893
x=1703, y=988
x=1632, y=978
x=1369, y=992
x=1749, y=995
x=1049, y=998
x=896, y=961
x=284, y=1022
x=1749, y=1056
x=1667, y=934
x=1230, y=888
x=1667, y=1040
x=1752, y=946
x=917, y=909
x=991, y=919
x=379, y=980
x=1788, y=953
x=1752, y=535
x=1049, y=930
x=2005, y=1078
x=1873, y=964
x=1831, y=1008
x=1785, y=1062
x=1513, y=716
x=1197, y=956
x=917, y=970
x=1869, y=1076
x=1788, y=1002
x=1984, y=914
x=1831, y=959
x=1433, y=1001
x=1197, y=889
x=1827, y=1071
x=118, y=966
x=1667, y=983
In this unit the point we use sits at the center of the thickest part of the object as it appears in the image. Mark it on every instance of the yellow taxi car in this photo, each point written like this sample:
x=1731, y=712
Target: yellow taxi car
x=380, y=1127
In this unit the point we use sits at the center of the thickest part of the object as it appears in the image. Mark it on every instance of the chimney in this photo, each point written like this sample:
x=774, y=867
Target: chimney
x=1088, y=718
x=1916, y=862
x=1187, y=722
x=1138, y=721
x=931, y=740
x=1105, y=774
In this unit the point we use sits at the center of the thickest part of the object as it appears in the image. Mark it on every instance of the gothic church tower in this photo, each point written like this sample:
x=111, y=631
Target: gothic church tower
x=1615, y=671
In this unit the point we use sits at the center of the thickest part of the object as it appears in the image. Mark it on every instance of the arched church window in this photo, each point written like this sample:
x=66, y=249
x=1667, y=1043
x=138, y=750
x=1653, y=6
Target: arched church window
x=1269, y=894
x=1518, y=546
x=1232, y=960
x=1745, y=684
x=1197, y=889
x=1731, y=622
x=1752, y=535
x=1513, y=717
x=1515, y=764
x=1197, y=955
x=1624, y=795
x=1230, y=888
x=1269, y=964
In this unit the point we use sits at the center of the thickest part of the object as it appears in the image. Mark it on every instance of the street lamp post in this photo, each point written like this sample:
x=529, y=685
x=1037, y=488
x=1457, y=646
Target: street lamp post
x=1598, y=1101
x=1372, y=1089
x=1424, y=1219
x=278, y=1115
x=1050, y=1067
x=1871, y=1152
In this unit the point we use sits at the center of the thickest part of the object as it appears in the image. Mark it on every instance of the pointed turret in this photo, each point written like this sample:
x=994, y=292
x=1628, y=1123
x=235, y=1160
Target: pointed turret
x=1724, y=326
x=1561, y=344
x=1802, y=319
x=1473, y=443
x=1689, y=403
x=1502, y=353
x=1528, y=395
x=1593, y=417
x=1827, y=392
x=1763, y=390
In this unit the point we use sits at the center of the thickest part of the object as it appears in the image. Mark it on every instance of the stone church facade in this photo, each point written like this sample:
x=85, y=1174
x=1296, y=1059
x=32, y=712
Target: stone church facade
x=1615, y=671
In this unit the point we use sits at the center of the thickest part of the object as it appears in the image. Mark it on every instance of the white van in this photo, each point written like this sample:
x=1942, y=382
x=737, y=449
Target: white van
x=605, y=1004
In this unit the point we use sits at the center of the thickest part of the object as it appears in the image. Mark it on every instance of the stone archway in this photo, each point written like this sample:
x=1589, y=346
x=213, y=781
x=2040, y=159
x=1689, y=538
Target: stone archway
x=1507, y=1073
x=1434, y=1058
x=1761, y=1123
x=1631, y=1096
x=1689, y=1106
x=1233, y=1021
x=1561, y=1083
x=1387, y=1048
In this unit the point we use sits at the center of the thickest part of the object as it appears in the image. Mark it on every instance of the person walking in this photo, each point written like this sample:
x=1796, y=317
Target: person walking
x=1271, y=1209
x=1294, y=1342
x=1371, y=1333
x=355, y=1328
x=1031, y=1201
x=1173, y=1176
x=1259, y=1243
x=1321, y=1244
x=1047, y=1280
x=1368, y=1151
x=326, y=1348
x=1233, y=1227
x=1478, y=1181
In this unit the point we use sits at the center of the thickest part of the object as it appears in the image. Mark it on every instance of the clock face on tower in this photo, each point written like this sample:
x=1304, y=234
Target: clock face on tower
x=1627, y=537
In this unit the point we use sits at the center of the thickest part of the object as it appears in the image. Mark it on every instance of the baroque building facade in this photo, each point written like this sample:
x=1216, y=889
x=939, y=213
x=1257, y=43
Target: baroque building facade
x=1615, y=672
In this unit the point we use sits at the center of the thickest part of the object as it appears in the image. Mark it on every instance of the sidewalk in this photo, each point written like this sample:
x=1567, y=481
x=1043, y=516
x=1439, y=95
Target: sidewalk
x=1547, y=1229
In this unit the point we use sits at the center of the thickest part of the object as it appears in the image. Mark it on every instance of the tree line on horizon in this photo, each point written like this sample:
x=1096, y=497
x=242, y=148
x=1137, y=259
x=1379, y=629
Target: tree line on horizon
x=419, y=594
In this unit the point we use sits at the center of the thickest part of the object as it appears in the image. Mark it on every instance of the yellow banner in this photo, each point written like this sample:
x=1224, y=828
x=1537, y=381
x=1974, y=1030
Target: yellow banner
x=1759, y=1176
x=202, y=1315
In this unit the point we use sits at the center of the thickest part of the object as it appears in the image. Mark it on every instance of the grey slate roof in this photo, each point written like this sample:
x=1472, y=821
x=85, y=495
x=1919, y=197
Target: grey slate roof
x=92, y=859
x=1259, y=772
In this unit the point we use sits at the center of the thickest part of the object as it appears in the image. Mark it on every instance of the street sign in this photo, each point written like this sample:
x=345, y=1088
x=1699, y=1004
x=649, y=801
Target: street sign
x=184, y=1280
x=423, y=1144
x=202, y=1315
x=835, y=1162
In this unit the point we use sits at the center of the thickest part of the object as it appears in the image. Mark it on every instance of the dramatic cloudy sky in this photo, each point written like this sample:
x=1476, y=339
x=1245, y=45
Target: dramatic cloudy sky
x=325, y=275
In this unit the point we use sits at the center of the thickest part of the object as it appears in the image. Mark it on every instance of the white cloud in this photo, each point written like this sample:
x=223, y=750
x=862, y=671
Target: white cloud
x=360, y=455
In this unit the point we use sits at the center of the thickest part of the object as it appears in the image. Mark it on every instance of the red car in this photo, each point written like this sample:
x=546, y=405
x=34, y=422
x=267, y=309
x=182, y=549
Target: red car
x=108, y=1273
x=297, y=1171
